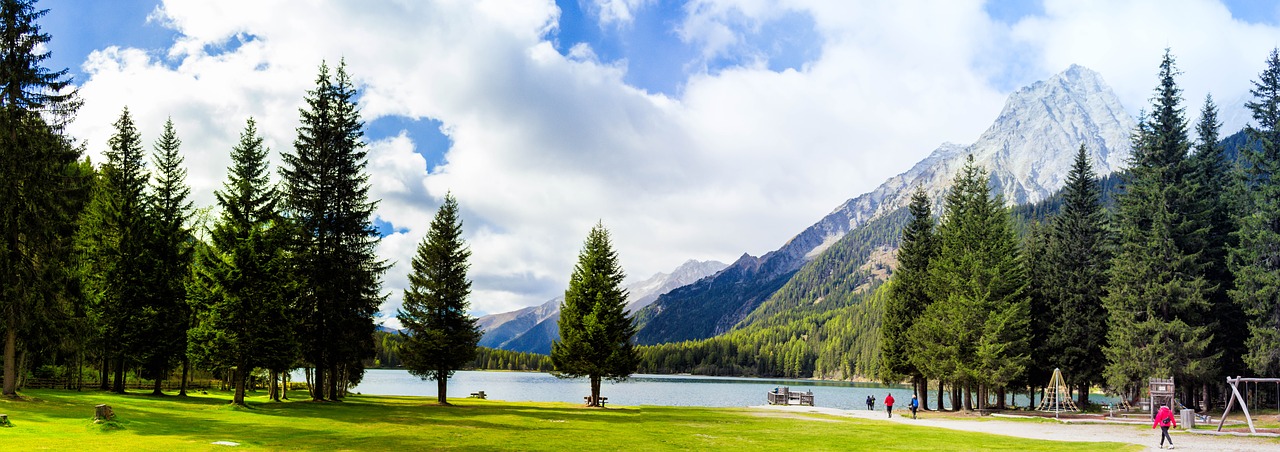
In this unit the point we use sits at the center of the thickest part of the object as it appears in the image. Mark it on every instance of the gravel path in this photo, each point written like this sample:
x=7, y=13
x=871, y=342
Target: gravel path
x=1132, y=434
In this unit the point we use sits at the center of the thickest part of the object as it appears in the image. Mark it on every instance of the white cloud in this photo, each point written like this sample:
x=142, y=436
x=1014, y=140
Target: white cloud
x=544, y=145
x=617, y=12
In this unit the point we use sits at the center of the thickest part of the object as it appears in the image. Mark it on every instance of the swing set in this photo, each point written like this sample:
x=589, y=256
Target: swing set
x=1235, y=395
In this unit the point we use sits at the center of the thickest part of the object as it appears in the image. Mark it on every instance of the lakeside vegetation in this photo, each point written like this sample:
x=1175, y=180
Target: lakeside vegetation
x=51, y=419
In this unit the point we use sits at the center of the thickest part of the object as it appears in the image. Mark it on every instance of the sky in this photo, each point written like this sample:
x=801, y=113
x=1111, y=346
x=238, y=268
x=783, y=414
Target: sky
x=700, y=129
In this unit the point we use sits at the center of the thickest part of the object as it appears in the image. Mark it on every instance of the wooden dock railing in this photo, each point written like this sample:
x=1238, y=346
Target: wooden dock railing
x=784, y=396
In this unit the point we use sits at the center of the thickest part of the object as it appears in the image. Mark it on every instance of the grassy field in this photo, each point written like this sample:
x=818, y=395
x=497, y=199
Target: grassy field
x=61, y=420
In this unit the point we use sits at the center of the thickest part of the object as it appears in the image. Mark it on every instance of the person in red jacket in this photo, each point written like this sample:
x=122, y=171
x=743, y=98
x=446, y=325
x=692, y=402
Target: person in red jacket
x=1164, y=420
x=888, y=404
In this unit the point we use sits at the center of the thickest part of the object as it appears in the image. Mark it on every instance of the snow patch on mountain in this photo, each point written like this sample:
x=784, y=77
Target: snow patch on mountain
x=1028, y=150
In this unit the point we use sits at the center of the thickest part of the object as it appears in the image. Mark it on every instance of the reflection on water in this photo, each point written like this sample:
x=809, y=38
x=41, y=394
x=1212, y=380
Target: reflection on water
x=670, y=390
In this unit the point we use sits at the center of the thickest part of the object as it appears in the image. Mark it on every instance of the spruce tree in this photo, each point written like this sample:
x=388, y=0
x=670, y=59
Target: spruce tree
x=242, y=283
x=442, y=336
x=119, y=230
x=908, y=295
x=1040, y=274
x=1156, y=302
x=976, y=330
x=327, y=195
x=1255, y=261
x=1079, y=254
x=35, y=181
x=162, y=319
x=1216, y=180
x=595, y=329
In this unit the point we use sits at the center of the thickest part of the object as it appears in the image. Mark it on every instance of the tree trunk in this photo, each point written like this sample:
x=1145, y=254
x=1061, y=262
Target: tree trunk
x=1082, y=398
x=117, y=386
x=595, y=391
x=103, y=376
x=238, y=376
x=922, y=391
x=284, y=386
x=158, y=389
x=1000, y=393
x=941, y=385
x=333, y=383
x=11, y=356
x=273, y=388
x=442, y=388
x=956, y=392
x=317, y=391
x=968, y=397
x=1207, y=401
x=186, y=367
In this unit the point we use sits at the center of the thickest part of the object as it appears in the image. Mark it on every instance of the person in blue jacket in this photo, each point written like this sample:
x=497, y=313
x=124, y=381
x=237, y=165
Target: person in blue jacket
x=915, y=405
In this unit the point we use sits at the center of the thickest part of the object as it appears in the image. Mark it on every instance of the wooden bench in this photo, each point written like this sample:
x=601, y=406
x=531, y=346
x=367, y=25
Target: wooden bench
x=587, y=400
x=478, y=395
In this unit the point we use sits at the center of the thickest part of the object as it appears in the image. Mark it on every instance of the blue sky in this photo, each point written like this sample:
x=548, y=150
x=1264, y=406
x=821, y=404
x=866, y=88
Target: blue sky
x=694, y=130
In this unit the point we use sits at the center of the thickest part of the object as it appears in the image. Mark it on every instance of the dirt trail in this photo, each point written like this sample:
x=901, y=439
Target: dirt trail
x=1132, y=434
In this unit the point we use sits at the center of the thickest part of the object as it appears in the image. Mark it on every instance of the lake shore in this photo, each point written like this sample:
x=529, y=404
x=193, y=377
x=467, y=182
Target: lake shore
x=1140, y=435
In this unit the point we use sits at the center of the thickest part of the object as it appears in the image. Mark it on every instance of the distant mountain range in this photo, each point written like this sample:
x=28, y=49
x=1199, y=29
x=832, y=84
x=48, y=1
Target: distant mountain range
x=1027, y=150
x=532, y=329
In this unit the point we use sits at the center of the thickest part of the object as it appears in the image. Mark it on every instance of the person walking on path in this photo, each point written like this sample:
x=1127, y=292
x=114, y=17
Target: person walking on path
x=888, y=404
x=914, y=405
x=1164, y=420
x=871, y=402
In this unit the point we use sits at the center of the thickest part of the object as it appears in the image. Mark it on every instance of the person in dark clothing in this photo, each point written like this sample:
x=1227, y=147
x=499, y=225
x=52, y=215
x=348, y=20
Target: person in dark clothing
x=871, y=402
x=1164, y=419
x=888, y=404
x=914, y=405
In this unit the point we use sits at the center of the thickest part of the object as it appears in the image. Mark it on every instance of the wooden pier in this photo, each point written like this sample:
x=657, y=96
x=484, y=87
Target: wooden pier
x=784, y=396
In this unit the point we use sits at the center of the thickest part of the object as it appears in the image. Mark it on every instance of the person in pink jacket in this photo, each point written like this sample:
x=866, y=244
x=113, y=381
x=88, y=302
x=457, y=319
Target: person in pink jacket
x=1164, y=420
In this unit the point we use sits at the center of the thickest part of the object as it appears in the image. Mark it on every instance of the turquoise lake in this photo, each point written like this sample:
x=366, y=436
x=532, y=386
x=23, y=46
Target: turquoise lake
x=670, y=390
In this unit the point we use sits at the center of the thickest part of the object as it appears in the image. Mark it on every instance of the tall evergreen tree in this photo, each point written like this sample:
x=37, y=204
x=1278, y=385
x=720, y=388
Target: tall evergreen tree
x=595, y=329
x=1156, y=298
x=1040, y=274
x=327, y=195
x=1216, y=180
x=976, y=330
x=1255, y=261
x=34, y=159
x=162, y=321
x=442, y=336
x=121, y=226
x=1079, y=254
x=242, y=280
x=908, y=295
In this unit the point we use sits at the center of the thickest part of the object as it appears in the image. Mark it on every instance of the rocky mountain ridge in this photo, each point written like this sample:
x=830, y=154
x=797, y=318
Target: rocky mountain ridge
x=1027, y=150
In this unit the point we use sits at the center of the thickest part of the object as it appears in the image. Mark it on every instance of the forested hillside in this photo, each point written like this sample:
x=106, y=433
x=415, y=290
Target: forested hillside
x=822, y=322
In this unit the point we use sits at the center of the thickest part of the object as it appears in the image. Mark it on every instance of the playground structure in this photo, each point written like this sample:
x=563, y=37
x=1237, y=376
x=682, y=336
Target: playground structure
x=1057, y=398
x=1235, y=395
x=1161, y=391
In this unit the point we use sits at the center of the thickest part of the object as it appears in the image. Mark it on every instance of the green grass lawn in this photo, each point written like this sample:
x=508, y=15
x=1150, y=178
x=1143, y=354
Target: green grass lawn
x=61, y=420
